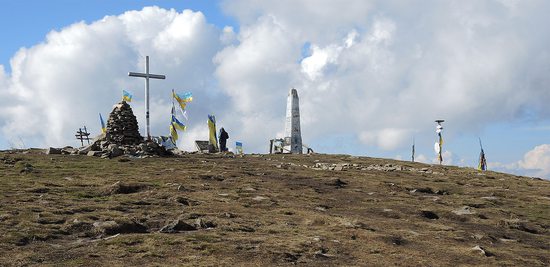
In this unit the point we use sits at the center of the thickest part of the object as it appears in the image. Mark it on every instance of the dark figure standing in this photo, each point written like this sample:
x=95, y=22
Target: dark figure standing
x=223, y=139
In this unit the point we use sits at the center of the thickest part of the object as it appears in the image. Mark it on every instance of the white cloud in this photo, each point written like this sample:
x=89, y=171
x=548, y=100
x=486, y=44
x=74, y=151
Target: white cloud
x=407, y=64
x=537, y=161
x=448, y=158
x=382, y=72
x=61, y=84
x=422, y=158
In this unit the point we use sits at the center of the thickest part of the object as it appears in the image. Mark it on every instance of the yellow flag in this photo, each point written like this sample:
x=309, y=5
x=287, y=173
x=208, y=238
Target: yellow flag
x=173, y=133
x=212, y=129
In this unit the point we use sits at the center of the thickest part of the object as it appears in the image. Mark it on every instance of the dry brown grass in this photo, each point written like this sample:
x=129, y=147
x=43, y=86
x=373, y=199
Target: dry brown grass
x=263, y=210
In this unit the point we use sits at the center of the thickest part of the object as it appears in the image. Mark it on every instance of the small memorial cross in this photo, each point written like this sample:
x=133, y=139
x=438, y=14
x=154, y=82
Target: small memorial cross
x=83, y=135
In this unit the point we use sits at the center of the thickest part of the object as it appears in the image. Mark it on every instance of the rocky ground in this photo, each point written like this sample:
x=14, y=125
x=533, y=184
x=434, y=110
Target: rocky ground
x=265, y=210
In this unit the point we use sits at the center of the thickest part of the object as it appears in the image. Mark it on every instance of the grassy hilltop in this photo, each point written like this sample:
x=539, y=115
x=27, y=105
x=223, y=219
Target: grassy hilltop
x=265, y=210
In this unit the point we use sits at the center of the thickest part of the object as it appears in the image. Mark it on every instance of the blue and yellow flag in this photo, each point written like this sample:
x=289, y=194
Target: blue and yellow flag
x=177, y=124
x=482, y=165
x=187, y=97
x=126, y=96
x=103, y=128
x=173, y=133
x=182, y=99
x=212, y=129
x=239, y=147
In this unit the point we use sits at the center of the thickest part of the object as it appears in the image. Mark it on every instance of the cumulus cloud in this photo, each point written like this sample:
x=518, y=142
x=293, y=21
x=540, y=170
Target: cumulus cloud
x=63, y=83
x=386, y=69
x=380, y=73
x=537, y=161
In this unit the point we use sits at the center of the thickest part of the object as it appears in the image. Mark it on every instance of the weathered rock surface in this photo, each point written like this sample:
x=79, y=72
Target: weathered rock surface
x=53, y=151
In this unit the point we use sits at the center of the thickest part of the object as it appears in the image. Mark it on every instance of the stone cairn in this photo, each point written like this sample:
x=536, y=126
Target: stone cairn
x=122, y=126
x=122, y=137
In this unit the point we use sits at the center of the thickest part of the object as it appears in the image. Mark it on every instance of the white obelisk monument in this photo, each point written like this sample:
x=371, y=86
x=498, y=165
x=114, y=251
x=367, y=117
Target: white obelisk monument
x=147, y=76
x=293, y=136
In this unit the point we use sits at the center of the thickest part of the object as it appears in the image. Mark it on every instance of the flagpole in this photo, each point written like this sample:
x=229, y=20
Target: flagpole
x=413, y=151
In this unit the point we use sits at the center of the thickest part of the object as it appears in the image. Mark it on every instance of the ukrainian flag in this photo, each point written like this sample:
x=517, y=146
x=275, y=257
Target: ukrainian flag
x=173, y=133
x=212, y=129
x=177, y=124
x=103, y=128
x=482, y=166
x=187, y=97
x=126, y=96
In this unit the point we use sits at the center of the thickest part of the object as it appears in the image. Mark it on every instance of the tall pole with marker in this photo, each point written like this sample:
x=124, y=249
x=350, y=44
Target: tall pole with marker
x=439, y=144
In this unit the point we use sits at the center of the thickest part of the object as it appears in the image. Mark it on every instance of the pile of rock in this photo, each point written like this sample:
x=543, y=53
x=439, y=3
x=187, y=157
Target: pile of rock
x=122, y=126
x=121, y=138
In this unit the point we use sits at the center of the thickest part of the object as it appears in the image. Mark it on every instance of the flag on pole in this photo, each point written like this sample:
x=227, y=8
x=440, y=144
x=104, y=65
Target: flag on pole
x=239, y=148
x=126, y=96
x=413, y=151
x=177, y=124
x=103, y=128
x=212, y=129
x=482, y=165
x=182, y=99
x=439, y=143
x=173, y=133
x=187, y=97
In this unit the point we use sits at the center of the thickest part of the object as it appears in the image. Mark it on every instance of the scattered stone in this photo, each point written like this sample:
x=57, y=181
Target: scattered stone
x=94, y=153
x=385, y=168
x=69, y=150
x=177, y=225
x=204, y=224
x=428, y=190
x=482, y=251
x=259, y=198
x=186, y=201
x=120, y=226
x=115, y=150
x=396, y=240
x=85, y=149
x=53, y=151
x=125, y=188
x=229, y=215
x=465, y=210
x=322, y=254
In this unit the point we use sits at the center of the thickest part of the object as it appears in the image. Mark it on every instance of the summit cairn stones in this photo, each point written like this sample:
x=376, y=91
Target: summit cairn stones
x=122, y=126
x=122, y=137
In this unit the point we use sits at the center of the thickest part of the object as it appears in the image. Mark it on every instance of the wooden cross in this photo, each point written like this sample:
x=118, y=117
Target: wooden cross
x=83, y=135
x=147, y=75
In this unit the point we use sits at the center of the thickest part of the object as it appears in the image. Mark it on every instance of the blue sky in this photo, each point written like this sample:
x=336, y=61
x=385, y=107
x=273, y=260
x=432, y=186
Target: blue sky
x=369, y=82
x=25, y=23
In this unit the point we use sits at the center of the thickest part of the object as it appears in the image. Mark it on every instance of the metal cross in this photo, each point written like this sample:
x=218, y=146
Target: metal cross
x=147, y=75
